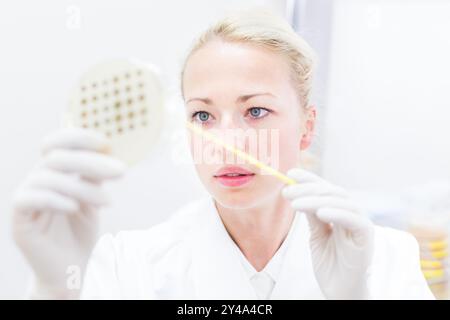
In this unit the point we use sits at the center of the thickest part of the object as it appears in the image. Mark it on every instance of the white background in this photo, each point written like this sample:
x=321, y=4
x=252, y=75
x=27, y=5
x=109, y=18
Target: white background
x=387, y=106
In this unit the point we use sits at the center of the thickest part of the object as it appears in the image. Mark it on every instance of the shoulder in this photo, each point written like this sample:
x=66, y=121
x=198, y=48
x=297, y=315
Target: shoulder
x=395, y=271
x=129, y=257
x=160, y=237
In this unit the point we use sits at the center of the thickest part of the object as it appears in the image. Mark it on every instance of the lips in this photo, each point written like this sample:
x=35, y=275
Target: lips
x=233, y=176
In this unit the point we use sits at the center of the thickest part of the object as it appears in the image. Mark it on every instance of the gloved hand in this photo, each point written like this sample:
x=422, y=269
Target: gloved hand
x=55, y=211
x=341, y=239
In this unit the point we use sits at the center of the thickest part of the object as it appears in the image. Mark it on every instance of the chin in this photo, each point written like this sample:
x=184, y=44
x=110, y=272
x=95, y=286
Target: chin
x=234, y=201
x=239, y=198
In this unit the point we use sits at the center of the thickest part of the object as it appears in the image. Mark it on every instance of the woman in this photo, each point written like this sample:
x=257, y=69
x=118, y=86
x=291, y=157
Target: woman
x=255, y=237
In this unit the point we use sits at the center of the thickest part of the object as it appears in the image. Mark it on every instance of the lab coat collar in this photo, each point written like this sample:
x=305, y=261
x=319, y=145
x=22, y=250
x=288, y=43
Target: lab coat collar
x=296, y=279
x=217, y=271
x=219, y=274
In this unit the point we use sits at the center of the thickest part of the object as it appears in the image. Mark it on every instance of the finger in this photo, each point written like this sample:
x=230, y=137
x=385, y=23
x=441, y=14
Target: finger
x=88, y=164
x=317, y=227
x=349, y=225
x=29, y=201
x=86, y=223
x=76, y=138
x=312, y=188
x=70, y=186
x=343, y=218
x=313, y=203
x=302, y=175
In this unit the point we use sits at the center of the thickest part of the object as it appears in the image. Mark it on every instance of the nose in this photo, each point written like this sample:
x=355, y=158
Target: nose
x=235, y=133
x=228, y=122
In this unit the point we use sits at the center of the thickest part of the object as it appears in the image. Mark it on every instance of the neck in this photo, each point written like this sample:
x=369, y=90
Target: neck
x=258, y=231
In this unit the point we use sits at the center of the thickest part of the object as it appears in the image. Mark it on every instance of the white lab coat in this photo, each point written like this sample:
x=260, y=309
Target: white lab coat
x=191, y=256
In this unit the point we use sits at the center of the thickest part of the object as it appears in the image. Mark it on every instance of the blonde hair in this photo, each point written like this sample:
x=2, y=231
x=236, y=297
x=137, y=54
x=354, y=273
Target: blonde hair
x=262, y=28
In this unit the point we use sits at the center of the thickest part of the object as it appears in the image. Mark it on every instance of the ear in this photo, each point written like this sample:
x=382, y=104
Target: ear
x=308, y=128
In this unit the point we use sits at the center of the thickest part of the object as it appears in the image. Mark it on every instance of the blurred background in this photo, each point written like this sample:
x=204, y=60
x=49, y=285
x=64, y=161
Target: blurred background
x=382, y=93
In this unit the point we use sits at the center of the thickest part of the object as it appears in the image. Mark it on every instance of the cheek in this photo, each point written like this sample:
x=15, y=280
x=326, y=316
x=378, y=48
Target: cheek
x=199, y=155
x=288, y=155
x=206, y=156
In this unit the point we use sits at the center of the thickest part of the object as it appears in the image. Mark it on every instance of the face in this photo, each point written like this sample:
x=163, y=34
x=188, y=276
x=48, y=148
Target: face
x=244, y=92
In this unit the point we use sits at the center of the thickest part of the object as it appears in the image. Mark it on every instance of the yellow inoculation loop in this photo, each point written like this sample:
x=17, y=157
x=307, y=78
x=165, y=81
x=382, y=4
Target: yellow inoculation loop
x=243, y=155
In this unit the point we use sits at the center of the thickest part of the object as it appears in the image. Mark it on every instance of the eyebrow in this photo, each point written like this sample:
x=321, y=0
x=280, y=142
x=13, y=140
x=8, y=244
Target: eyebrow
x=241, y=99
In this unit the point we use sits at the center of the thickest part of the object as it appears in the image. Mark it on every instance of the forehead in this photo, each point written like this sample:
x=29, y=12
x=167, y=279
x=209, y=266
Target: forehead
x=230, y=67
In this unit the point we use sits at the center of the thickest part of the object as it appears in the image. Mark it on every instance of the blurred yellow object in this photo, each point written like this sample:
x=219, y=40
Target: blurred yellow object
x=439, y=254
x=433, y=255
x=433, y=240
x=431, y=274
x=431, y=264
x=437, y=245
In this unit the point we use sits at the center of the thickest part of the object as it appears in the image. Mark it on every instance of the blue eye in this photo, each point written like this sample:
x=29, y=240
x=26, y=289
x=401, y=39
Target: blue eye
x=257, y=112
x=201, y=116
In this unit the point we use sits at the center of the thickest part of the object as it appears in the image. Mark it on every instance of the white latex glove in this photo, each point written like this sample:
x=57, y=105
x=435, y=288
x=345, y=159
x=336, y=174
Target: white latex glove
x=341, y=237
x=55, y=211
